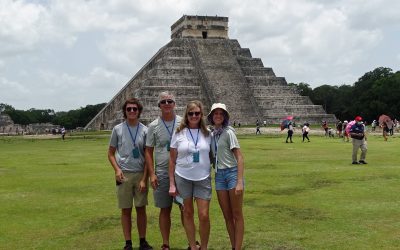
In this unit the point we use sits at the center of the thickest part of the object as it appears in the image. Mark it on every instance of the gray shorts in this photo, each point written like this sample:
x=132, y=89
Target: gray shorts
x=162, y=199
x=195, y=189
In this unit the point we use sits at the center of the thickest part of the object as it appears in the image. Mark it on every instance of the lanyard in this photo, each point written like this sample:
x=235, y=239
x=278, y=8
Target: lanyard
x=133, y=140
x=216, y=140
x=197, y=139
x=172, y=130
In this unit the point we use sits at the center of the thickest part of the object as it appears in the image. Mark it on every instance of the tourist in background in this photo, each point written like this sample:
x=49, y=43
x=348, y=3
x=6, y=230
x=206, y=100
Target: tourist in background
x=290, y=132
x=373, y=125
x=357, y=133
x=63, y=133
x=229, y=168
x=345, y=131
x=390, y=126
x=126, y=155
x=305, y=130
x=385, y=130
x=339, y=128
x=325, y=127
x=258, y=131
x=189, y=171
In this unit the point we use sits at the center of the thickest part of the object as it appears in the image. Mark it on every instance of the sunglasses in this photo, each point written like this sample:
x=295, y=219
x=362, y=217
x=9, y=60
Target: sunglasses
x=168, y=101
x=132, y=109
x=194, y=113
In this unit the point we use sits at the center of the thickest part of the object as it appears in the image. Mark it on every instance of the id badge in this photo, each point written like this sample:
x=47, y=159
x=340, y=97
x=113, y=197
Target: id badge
x=135, y=153
x=196, y=156
x=168, y=146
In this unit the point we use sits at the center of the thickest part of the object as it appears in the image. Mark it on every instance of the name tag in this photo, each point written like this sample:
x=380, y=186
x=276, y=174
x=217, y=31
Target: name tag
x=168, y=146
x=196, y=156
x=135, y=153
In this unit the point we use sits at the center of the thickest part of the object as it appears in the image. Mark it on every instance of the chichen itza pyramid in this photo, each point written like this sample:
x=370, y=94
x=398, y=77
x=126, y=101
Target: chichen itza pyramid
x=202, y=63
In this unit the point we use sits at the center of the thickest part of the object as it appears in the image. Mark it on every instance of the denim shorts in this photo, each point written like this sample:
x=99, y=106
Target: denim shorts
x=226, y=179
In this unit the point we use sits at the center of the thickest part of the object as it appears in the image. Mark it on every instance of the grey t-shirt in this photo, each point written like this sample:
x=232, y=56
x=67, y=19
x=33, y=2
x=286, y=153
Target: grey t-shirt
x=122, y=140
x=159, y=137
x=225, y=143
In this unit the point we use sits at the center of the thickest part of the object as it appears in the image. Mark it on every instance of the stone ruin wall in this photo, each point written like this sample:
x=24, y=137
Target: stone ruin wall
x=8, y=127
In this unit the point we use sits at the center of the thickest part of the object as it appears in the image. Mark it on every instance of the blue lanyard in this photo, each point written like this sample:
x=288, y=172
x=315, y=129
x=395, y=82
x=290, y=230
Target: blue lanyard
x=216, y=151
x=133, y=140
x=197, y=139
x=216, y=145
x=172, y=130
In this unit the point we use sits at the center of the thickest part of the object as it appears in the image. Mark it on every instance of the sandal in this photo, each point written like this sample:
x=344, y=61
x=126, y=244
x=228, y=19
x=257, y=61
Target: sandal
x=164, y=247
x=197, y=245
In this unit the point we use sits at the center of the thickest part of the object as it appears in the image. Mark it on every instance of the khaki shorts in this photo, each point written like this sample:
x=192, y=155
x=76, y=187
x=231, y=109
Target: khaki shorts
x=128, y=192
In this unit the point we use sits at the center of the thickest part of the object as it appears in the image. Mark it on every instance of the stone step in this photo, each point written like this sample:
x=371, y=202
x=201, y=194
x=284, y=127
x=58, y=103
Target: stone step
x=265, y=81
x=171, y=71
x=294, y=109
x=278, y=101
x=171, y=81
x=274, y=90
x=175, y=90
x=258, y=71
x=244, y=53
x=176, y=52
x=250, y=62
x=171, y=61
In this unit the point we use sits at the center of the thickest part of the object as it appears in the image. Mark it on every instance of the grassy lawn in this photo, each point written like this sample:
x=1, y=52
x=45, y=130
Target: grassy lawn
x=60, y=195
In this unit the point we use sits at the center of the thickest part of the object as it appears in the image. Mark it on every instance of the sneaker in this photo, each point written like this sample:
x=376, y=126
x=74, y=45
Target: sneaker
x=354, y=162
x=128, y=247
x=362, y=162
x=145, y=246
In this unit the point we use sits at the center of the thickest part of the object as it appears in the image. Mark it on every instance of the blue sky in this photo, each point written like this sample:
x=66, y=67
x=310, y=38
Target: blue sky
x=67, y=54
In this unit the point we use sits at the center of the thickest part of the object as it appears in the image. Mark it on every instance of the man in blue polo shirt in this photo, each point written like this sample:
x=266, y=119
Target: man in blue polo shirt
x=357, y=133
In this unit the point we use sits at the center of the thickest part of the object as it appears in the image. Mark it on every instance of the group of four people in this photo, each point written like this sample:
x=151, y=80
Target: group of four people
x=176, y=154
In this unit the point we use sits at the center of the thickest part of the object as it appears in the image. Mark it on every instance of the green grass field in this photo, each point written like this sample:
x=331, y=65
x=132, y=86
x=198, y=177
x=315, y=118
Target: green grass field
x=60, y=195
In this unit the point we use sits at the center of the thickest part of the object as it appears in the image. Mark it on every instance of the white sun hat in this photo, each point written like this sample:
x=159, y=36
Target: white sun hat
x=217, y=106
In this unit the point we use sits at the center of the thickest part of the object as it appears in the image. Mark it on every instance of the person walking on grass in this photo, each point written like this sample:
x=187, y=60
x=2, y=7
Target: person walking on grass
x=190, y=172
x=126, y=155
x=357, y=133
x=229, y=168
x=158, y=141
x=258, y=131
x=305, y=131
x=290, y=132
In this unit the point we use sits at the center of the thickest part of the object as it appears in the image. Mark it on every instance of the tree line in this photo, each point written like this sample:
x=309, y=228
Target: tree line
x=69, y=119
x=376, y=92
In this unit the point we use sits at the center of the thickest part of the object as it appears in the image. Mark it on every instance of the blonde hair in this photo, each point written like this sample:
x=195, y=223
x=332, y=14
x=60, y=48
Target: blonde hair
x=185, y=121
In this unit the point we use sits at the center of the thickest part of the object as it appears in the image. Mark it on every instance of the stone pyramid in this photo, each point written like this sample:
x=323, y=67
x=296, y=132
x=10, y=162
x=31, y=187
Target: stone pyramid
x=202, y=63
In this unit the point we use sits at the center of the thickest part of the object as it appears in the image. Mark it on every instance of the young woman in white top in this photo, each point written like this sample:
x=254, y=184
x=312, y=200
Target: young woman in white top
x=229, y=168
x=189, y=171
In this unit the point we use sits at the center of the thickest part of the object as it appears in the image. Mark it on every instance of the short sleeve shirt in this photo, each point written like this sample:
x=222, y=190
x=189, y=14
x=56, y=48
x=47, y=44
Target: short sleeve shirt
x=159, y=136
x=123, y=141
x=185, y=145
x=223, y=145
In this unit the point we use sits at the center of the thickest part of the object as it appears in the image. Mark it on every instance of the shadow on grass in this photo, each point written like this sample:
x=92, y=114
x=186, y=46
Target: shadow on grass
x=98, y=224
x=297, y=212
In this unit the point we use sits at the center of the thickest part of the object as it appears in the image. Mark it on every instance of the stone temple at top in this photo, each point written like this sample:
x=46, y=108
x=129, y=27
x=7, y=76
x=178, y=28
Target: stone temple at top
x=202, y=63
